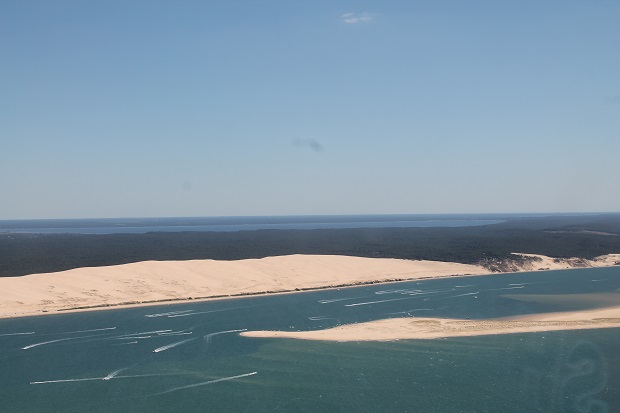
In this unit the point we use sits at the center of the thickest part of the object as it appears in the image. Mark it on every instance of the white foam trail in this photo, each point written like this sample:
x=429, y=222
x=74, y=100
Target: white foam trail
x=333, y=300
x=393, y=291
x=432, y=292
x=133, y=338
x=604, y=279
x=414, y=292
x=66, y=380
x=462, y=295
x=169, y=346
x=134, y=376
x=412, y=311
x=375, y=302
x=55, y=341
x=16, y=334
x=320, y=318
x=124, y=344
x=167, y=314
x=179, y=333
x=88, y=331
x=206, y=382
x=203, y=312
x=399, y=291
x=208, y=337
x=114, y=374
x=464, y=286
x=142, y=333
x=505, y=288
x=410, y=291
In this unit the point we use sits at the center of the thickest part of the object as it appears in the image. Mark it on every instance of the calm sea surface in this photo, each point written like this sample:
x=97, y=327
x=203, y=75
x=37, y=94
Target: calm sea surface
x=228, y=224
x=190, y=358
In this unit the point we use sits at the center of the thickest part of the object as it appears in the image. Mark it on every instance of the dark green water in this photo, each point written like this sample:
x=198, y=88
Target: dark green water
x=567, y=371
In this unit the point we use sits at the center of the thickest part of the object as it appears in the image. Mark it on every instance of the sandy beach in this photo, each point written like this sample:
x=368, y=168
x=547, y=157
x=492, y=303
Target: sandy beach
x=153, y=282
x=433, y=328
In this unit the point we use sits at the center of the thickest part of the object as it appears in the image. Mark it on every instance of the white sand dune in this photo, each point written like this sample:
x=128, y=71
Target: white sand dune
x=158, y=281
x=433, y=328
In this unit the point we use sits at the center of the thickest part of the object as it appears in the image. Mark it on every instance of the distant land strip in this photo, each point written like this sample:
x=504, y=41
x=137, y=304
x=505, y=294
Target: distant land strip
x=491, y=246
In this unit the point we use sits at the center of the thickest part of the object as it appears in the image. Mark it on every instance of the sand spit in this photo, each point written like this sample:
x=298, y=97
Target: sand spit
x=161, y=281
x=153, y=282
x=433, y=328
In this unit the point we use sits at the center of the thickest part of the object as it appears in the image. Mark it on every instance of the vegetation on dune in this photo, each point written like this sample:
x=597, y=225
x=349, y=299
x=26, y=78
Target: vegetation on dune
x=555, y=236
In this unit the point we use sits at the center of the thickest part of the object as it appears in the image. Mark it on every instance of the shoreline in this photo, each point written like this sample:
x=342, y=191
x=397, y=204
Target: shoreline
x=189, y=300
x=414, y=328
x=152, y=283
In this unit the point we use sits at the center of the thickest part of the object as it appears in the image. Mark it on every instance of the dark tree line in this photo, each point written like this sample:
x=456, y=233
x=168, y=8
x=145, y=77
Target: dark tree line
x=558, y=236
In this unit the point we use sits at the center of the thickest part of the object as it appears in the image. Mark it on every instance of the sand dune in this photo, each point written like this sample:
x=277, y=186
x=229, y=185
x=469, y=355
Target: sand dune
x=536, y=262
x=157, y=281
x=432, y=328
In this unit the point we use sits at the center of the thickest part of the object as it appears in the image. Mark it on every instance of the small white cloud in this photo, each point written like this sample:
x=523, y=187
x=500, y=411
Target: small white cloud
x=354, y=18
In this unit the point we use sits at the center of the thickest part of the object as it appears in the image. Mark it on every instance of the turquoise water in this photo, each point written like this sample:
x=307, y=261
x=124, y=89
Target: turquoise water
x=189, y=358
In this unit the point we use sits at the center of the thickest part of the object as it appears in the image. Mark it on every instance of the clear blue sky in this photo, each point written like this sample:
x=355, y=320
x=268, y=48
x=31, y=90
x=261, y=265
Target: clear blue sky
x=203, y=108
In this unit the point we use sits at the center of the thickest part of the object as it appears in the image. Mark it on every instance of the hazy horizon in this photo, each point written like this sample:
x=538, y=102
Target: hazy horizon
x=447, y=214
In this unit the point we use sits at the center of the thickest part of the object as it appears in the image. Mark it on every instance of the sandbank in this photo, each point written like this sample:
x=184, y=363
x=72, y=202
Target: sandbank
x=434, y=328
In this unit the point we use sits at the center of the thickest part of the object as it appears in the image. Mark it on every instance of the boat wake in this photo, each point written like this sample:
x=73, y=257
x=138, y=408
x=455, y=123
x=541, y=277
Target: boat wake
x=167, y=314
x=334, y=300
x=113, y=374
x=16, y=334
x=169, y=346
x=66, y=380
x=88, y=331
x=204, y=383
x=54, y=341
x=187, y=314
x=207, y=338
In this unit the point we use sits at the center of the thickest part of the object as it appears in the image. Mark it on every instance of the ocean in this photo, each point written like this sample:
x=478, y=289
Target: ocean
x=189, y=357
x=229, y=224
